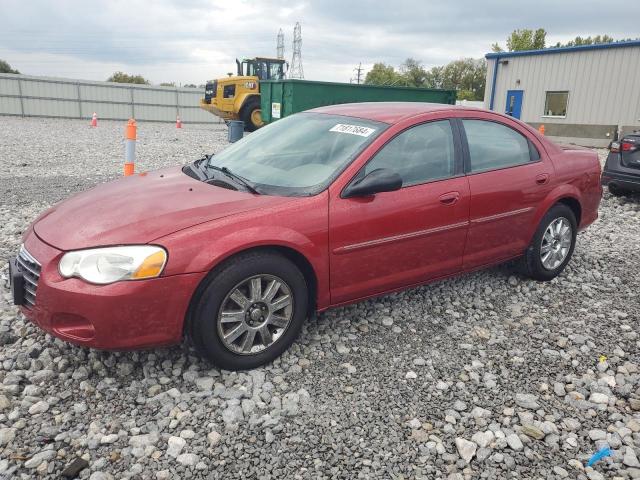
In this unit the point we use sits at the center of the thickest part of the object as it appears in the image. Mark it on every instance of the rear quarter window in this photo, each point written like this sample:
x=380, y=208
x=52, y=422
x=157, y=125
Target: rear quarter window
x=493, y=145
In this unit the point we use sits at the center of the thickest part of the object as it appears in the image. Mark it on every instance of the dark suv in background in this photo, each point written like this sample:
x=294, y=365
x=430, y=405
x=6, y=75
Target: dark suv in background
x=621, y=173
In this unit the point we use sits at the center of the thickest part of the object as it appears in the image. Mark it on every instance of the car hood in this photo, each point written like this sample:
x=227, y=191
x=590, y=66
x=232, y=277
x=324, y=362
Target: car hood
x=139, y=209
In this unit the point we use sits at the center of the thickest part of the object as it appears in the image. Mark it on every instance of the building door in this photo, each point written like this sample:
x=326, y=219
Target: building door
x=514, y=103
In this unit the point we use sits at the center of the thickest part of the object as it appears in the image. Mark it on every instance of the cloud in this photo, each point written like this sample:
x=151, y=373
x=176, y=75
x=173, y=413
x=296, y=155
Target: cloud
x=191, y=41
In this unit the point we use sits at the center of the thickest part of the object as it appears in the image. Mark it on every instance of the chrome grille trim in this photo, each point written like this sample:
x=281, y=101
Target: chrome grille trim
x=30, y=268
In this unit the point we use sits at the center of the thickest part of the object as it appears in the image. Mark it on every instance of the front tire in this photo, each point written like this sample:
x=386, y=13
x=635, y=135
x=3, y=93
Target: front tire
x=552, y=245
x=250, y=114
x=250, y=311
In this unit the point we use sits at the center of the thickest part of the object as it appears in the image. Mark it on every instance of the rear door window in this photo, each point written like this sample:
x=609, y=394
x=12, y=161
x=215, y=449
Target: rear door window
x=493, y=145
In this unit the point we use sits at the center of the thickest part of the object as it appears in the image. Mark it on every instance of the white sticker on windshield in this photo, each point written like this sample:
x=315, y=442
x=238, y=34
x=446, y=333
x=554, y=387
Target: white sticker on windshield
x=353, y=129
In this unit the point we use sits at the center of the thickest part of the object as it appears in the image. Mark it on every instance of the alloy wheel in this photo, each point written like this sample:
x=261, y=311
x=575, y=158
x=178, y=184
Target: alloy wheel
x=556, y=243
x=255, y=314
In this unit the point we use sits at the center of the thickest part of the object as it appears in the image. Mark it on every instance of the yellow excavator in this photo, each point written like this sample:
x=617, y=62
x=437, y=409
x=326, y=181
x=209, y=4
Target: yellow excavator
x=238, y=97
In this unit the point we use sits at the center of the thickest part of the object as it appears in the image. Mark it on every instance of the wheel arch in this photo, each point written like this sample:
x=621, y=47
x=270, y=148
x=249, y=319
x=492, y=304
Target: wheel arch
x=243, y=100
x=574, y=205
x=295, y=256
x=566, y=194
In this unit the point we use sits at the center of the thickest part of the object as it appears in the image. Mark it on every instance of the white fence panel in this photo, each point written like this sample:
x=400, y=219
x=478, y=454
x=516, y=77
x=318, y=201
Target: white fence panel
x=10, y=106
x=9, y=86
x=102, y=93
x=67, y=98
x=156, y=97
x=107, y=111
x=197, y=115
x=31, y=88
x=38, y=107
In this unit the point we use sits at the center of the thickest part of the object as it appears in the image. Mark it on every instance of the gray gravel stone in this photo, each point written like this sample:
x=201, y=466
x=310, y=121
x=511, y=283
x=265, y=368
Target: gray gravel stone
x=7, y=435
x=630, y=459
x=527, y=400
x=101, y=476
x=39, y=407
x=187, y=459
x=38, y=458
x=514, y=442
x=483, y=439
x=466, y=449
x=175, y=446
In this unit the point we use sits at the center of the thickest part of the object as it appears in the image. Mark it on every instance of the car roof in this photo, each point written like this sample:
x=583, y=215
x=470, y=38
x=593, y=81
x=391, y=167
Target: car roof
x=389, y=112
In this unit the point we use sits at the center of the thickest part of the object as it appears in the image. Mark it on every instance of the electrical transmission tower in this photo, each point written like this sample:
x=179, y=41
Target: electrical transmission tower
x=280, y=45
x=296, y=62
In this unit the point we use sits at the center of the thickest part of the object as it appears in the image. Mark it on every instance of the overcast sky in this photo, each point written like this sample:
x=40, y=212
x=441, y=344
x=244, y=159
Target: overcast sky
x=190, y=41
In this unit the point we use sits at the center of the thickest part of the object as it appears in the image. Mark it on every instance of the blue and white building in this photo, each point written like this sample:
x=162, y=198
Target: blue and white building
x=583, y=95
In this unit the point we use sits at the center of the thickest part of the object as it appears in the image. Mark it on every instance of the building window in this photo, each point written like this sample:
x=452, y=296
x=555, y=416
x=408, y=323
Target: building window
x=555, y=104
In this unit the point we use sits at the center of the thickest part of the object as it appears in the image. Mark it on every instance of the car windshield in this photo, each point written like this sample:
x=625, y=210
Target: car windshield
x=300, y=154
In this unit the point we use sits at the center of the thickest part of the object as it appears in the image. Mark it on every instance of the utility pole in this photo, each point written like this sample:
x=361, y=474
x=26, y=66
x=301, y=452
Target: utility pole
x=358, y=70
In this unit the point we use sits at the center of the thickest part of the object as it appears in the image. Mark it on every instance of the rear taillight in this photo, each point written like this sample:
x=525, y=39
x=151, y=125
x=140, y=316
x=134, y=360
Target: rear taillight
x=627, y=147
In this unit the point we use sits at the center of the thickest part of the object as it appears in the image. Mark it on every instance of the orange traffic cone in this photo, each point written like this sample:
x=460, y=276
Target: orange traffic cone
x=541, y=129
x=94, y=120
x=178, y=122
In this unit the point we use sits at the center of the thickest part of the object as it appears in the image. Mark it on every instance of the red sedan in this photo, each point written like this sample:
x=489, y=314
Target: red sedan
x=319, y=209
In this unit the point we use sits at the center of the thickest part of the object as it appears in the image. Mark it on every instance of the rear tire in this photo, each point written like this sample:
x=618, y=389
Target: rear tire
x=552, y=245
x=250, y=113
x=616, y=191
x=269, y=322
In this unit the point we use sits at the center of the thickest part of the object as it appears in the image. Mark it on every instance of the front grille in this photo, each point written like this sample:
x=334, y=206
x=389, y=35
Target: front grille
x=30, y=269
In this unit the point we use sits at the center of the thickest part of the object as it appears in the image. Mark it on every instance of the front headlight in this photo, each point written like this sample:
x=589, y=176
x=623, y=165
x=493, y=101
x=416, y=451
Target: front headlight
x=113, y=264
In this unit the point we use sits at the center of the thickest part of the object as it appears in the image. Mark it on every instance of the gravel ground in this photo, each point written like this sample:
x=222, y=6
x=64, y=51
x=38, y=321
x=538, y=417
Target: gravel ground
x=489, y=375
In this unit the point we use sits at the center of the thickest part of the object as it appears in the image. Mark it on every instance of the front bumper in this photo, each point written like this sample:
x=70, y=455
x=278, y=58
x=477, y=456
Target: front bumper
x=212, y=108
x=119, y=316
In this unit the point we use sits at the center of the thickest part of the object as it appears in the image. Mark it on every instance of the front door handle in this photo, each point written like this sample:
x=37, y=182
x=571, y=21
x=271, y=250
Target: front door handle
x=542, y=179
x=449, y=198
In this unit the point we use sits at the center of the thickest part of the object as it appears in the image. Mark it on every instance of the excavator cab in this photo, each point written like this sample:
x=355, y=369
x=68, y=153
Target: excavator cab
x=237, y=97
x=263, y=68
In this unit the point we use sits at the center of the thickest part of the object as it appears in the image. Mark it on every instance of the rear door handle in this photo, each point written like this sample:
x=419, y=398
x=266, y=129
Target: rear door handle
x=542, y=179
x=449, y=198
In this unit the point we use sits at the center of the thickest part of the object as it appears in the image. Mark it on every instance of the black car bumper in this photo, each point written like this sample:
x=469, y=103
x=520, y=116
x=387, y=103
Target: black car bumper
x=619, y=175
x=620, y=180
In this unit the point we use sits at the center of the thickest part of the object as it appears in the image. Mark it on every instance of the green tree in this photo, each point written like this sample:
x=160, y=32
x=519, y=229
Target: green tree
x=466, y=95
x=191, y=85
x=168, y=84
x=524, y=39
x=414, y=73
x=382, y=74
x=590, y=41
x=121, y=77
x=6, y=68
x=467, y=76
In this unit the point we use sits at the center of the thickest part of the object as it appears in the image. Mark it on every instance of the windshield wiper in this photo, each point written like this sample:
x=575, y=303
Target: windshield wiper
x=238, y=179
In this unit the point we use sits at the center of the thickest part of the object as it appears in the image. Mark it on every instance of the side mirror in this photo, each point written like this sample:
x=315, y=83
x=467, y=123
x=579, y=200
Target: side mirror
x=380, y=180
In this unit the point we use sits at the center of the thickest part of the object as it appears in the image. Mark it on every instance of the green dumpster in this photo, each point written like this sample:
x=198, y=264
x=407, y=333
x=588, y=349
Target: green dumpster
x=279, y=98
